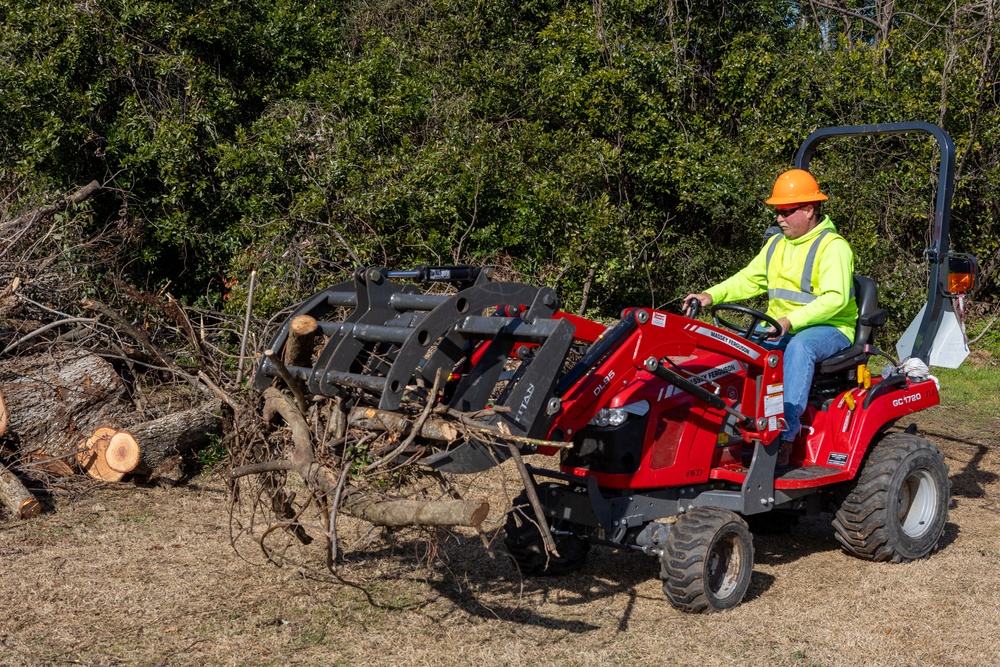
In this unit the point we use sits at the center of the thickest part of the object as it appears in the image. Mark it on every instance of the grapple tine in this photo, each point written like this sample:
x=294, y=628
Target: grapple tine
x=444, y=321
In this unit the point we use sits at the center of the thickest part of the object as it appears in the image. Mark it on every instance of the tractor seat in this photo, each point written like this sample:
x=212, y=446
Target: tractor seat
x=870, y=317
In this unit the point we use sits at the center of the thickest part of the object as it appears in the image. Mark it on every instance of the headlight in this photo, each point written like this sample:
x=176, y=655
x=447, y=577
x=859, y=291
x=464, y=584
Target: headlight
x=618, y=416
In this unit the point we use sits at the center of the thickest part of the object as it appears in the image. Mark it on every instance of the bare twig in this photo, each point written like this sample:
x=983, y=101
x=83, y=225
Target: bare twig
x=43, y=329
x=985, y=329
x=258, y=468
x=218, y=392
x=246, y=325
x=136, y=334
x=536, y=505
x=334, y=506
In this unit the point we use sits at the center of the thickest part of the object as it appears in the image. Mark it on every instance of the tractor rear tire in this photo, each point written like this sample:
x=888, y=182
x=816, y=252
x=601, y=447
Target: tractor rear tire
x=707, y=561
x=524, y=542
x=897, y=506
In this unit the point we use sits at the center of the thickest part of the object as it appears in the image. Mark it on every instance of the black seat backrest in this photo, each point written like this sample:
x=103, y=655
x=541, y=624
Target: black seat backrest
x=866, y=296
x=870, y=318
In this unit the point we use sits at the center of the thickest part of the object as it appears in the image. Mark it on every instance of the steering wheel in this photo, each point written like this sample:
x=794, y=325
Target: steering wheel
x=749, y=332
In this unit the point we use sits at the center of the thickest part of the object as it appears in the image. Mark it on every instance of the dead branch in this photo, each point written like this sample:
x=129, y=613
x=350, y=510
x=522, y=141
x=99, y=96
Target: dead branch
x=75, y=199
x=290, y=381
x=218, y=391
x=175, y=311
x=136, y=334
x=382, y=420
x=42, y=329
x=325, y=482
x=246, y=325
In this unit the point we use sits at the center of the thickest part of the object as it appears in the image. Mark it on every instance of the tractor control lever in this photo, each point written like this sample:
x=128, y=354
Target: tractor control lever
x=664, y=373
x=692, y=307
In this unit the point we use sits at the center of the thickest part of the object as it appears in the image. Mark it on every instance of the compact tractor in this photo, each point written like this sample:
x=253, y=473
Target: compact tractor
x=665, y=426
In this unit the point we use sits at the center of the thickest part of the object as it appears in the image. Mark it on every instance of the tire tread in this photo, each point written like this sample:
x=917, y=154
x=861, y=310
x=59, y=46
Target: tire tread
x=862, y=524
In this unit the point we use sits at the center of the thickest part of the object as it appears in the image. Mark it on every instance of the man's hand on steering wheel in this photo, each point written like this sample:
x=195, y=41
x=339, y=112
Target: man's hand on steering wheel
x=785, y=328
x=776, y=328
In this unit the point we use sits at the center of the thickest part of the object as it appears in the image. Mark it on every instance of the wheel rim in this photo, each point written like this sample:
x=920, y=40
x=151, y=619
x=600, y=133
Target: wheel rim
x=918, y=502
x=725, y=563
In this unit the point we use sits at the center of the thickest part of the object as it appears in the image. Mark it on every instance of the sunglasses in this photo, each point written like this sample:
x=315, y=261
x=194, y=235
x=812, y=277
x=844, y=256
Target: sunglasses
x=785, y=212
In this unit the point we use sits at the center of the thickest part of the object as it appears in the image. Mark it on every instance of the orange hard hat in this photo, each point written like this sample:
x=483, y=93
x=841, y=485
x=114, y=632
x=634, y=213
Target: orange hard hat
x=795, y=186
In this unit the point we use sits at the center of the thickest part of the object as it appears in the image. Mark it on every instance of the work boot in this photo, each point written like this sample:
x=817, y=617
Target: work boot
x=784, y=454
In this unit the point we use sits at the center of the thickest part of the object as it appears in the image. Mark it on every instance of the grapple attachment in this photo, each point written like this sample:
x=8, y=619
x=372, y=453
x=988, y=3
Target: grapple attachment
x=493, y=344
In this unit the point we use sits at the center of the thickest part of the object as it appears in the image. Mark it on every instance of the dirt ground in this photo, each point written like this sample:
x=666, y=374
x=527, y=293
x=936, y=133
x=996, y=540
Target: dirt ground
x=126, y=575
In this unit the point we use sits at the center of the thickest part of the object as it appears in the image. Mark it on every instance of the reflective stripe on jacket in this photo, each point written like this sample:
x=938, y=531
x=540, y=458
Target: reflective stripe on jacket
x=809, y=280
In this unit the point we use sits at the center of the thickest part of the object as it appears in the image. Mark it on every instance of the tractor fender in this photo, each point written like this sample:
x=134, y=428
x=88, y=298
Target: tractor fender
x=875, y=410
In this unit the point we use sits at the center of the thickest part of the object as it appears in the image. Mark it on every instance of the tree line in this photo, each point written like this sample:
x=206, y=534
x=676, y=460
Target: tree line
x=617, y=150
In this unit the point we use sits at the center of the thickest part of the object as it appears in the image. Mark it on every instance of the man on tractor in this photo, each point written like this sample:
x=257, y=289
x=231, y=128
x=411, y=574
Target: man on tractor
x=807, y=272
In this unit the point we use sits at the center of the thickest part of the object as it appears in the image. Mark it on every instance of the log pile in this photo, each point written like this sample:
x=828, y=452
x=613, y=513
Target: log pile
x=68, y=414
x=123, y=384
x=93, y=386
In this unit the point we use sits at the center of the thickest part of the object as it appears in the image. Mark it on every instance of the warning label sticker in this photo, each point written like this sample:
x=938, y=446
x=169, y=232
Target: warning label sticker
x=659, y=320
x=774, y=404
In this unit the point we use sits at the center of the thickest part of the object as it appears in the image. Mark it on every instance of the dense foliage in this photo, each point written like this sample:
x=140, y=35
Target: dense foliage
x=618, y=146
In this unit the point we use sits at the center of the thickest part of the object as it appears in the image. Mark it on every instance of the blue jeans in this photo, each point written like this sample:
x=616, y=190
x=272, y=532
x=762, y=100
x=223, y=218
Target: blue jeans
x=802, y=352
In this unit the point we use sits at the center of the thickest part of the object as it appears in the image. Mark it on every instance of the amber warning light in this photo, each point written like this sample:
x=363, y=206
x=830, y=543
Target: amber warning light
x=959, y=283
x=962, y=270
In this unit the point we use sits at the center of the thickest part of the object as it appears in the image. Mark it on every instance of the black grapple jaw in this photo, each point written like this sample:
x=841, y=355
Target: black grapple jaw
x=497, y=345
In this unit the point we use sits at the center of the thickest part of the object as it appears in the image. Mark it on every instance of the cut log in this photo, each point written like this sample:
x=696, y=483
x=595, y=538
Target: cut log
x=3, y=415
x=16, y=496
x=301, y=340
x=108, y=454
x=55, y=401
x=163, y=439
x=93, y=455
x=383, y=420
x=122, y=453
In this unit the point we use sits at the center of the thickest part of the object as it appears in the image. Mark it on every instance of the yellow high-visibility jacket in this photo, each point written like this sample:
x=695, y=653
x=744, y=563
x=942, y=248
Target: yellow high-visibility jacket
x=809, y=280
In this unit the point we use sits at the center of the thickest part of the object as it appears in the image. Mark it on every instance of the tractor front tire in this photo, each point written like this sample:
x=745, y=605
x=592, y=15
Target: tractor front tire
x=707, y=561
x=524, y=542
x=897, y=507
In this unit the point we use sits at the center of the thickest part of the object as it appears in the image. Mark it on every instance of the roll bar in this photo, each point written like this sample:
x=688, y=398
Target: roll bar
x=938, y=253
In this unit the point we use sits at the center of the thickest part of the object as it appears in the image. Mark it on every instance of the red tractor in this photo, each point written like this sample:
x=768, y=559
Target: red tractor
x=665, y=426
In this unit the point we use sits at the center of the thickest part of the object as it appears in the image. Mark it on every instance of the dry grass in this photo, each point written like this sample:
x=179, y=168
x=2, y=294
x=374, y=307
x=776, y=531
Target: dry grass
x=146, y=576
